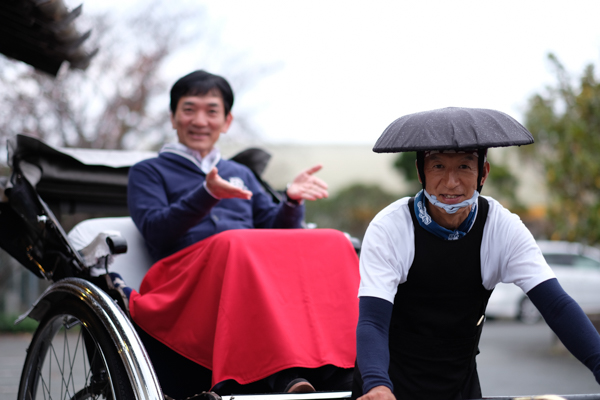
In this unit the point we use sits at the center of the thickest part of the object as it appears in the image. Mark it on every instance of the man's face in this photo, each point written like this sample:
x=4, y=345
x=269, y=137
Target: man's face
x=200, y=120
x=452, y=177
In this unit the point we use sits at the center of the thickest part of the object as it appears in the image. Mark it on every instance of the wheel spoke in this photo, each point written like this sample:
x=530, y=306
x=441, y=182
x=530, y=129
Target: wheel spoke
x=84, y=364
x=72, y=360
x=65, y=363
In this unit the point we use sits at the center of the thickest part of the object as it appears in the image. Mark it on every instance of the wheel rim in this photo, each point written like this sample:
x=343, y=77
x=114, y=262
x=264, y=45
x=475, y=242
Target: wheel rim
x=70, y=364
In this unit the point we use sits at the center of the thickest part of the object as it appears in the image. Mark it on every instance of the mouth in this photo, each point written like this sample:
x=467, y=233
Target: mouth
x=198, y=135
x=451, y=198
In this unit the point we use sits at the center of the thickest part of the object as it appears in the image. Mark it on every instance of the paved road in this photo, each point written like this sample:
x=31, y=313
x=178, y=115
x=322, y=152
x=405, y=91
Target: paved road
x=515, y=359
x=519, y=359
x=12, y=356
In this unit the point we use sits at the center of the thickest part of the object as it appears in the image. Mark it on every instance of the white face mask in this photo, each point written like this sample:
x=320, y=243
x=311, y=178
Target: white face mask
x=451, y=208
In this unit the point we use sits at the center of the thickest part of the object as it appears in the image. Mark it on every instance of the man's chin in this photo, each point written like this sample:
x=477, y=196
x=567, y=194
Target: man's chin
x=199, y=146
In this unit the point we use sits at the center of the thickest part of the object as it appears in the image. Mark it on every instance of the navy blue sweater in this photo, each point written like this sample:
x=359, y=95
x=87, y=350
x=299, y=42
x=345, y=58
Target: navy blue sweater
x=172, y=209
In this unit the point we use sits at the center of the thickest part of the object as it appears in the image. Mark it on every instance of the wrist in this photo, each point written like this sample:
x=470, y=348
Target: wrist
x=289, y=200
x=209, y=191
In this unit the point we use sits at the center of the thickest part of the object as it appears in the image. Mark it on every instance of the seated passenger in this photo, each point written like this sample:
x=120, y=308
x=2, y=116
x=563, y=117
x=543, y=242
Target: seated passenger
x=236, y=309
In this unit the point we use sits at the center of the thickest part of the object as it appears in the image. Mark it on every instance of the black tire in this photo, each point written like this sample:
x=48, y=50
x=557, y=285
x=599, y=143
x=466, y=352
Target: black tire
x=528, y=313
x=72, y=356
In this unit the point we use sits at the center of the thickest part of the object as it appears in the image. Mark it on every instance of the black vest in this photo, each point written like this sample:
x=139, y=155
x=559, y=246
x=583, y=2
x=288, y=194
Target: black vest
x=438, y=316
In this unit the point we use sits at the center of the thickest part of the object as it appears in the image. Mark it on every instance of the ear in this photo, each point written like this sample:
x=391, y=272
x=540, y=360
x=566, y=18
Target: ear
x=486, y=172
x=172, y=120
x=228, y=121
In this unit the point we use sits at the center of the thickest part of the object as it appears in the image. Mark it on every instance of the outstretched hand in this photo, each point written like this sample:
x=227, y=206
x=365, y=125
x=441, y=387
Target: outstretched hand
x=222, y=189
x=307, y=187
x=378, y=393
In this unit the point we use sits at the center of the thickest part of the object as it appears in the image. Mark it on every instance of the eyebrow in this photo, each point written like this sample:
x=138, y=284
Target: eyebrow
x=191, y=103
x=466, y=156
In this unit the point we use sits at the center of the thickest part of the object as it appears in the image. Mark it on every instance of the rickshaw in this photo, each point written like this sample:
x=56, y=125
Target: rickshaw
x=85, y=345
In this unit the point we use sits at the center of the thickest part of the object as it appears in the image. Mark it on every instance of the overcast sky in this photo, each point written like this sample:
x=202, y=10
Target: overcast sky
x=348, y=69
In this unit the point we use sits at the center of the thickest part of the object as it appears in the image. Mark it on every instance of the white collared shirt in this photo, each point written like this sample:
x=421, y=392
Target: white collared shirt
x=206, y=163
x=509, y=253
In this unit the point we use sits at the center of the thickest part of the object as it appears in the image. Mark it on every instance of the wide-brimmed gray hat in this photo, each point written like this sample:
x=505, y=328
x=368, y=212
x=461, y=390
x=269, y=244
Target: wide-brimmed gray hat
x=452, y=128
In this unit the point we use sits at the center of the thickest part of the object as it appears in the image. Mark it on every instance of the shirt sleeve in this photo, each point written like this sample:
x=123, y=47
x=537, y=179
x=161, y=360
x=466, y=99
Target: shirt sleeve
x=564, y=316
x=269, y=215
x=160, y=222
x=509, y=252
x=372, y=337
x=387, y=252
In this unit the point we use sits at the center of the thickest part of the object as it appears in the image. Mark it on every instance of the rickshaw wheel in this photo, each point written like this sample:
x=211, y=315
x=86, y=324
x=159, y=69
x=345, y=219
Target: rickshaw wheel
x=72, y=356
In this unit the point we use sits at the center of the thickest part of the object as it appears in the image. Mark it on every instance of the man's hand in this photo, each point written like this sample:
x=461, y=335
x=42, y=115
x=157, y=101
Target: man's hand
x=378, y=393
x=222, y=189
x=307, y=187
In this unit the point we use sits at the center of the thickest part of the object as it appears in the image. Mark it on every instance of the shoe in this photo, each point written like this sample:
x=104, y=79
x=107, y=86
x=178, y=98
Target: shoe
x=299, y=385
x=205, y=396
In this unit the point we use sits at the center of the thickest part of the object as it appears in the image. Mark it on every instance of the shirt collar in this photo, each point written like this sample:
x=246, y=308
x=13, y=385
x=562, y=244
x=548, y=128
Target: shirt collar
x=205, y=164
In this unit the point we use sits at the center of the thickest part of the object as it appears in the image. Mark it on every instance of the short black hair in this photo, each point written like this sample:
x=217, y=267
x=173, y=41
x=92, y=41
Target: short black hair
x=200, y=83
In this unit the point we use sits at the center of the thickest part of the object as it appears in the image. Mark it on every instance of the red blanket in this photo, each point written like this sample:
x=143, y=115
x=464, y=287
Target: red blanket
x=249, y=303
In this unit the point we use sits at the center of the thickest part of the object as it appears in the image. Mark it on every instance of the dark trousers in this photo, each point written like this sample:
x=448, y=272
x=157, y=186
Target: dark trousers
x=180, y=377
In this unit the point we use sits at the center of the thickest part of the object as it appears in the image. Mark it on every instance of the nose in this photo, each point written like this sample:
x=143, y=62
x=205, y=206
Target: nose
x=199, y=119
x=451, y=179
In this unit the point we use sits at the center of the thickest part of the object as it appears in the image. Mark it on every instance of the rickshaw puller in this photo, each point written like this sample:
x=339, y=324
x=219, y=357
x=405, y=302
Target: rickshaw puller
x=429, y=264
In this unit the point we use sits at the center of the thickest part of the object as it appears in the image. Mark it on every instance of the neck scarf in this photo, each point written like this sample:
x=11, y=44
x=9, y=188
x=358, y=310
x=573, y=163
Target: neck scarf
x=430, y=225
x=451, y=208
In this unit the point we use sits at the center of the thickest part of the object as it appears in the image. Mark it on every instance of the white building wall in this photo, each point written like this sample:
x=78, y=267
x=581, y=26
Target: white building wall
x=343, y=165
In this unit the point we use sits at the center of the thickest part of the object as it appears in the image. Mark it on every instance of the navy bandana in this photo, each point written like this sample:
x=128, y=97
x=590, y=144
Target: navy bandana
x=430, y=225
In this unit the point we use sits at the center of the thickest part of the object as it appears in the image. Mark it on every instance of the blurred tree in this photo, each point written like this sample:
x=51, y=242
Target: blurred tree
x=565, y=122
x=502, y=185
x=350, y=210
x=405, y=166
x=121, y=100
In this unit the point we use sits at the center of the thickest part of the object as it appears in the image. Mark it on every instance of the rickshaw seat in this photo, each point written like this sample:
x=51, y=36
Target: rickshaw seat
x=132, y=265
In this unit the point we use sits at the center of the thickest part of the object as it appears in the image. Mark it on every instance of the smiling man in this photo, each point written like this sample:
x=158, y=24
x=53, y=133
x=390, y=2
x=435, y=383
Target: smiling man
x=429, y=264
x=201, y=308
x=189, y=192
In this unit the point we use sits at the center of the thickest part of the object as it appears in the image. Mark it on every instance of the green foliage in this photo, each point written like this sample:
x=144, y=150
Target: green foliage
x=351, y=210
x=502, y=185
x=7, y=324
x=405, y=166
x=565, y=122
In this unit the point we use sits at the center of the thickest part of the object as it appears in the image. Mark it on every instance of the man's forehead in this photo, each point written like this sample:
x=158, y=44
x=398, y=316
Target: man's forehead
x=445, y=156
x=210, y=99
